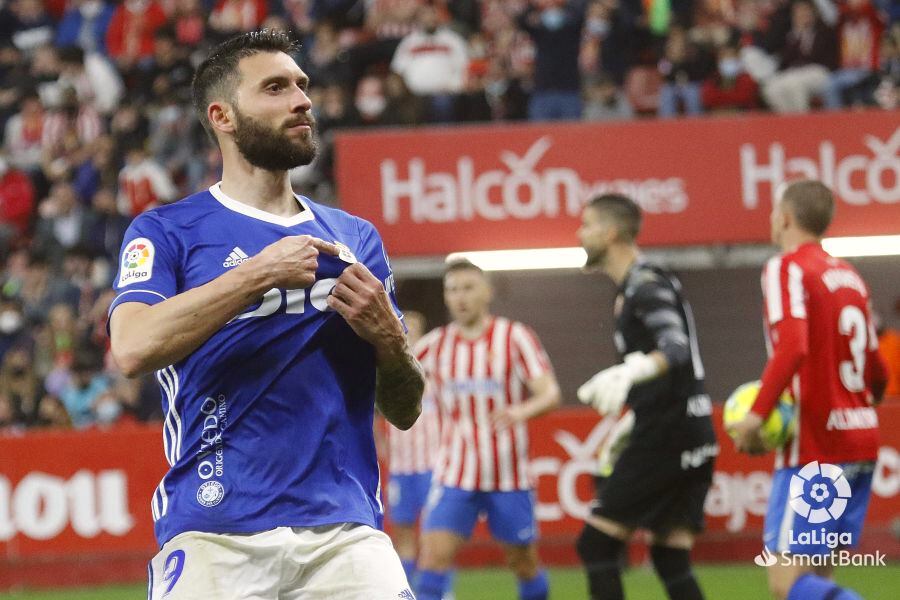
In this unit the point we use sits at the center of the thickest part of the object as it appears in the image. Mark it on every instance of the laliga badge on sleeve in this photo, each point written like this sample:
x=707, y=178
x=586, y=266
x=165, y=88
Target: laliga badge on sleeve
x=344, y=253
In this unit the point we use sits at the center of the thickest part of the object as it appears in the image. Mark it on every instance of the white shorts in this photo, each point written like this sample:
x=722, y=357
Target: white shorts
x=334, y=562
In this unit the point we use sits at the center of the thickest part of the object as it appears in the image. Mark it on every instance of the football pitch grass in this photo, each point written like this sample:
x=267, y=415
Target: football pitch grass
x=720, y=582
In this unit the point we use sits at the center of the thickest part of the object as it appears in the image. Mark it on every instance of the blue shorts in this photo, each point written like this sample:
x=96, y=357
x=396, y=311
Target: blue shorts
x=817, y=508
x=510, y=515
x=406, y=496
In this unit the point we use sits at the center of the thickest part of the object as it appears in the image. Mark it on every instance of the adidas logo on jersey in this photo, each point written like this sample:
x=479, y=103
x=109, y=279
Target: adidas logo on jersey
x=236, y=257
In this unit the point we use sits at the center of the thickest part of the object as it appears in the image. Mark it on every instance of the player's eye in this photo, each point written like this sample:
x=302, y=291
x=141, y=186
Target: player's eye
x=273, y=87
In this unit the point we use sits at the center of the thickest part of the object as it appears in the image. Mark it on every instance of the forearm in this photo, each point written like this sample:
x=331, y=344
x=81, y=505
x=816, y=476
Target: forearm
x=542, y=403
x=399, y=386
x=162, y=334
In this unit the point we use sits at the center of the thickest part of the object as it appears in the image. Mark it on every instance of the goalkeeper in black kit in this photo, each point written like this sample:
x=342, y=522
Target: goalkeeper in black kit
x=659, y=467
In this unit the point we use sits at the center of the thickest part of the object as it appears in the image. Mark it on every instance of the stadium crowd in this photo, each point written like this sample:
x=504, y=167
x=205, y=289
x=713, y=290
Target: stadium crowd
x=97, y=122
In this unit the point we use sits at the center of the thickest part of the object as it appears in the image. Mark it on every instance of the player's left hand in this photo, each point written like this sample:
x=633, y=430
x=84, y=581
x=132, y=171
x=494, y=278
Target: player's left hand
x=510, y=416
x=607, y=390
x=361, y=299
x=746, y=434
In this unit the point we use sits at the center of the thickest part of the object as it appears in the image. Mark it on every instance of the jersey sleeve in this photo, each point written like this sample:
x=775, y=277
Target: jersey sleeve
x=374, y=256
x=148, y=263
x=529, y=358
x=657, y=306
x=783, y=290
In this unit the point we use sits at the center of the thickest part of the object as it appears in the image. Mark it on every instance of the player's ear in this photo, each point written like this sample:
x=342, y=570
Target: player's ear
x=220, y=116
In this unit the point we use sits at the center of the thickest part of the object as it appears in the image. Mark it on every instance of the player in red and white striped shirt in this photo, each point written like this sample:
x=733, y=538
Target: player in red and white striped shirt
x=489, y=375
x=823, y=347
x=411, y=457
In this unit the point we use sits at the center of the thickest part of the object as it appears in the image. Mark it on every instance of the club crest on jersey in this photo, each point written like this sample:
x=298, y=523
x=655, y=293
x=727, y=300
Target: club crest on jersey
x=210, y=493
x=137, y=262
x=344, y=253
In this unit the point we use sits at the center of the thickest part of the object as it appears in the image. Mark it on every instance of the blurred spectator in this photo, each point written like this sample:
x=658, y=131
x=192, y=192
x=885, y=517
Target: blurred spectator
x=129, y=128
x=556, y=28
x=84, y=390
x=189, y=23
x=730, y=87
x=93, y=78
x=143, y=184
x=106, y=229
x=99, y=169
x=23, y=137
x=682, y=69
x=13, y=76
x=31, y=25
x=12, y=326
x=389, y=21
x=14, y=273
x=171, y=143
x=887, y=94
x=9, y=421
x=806, y=60
x=433, y=61
x=16, y=204
x=41, y=289
x=859, y=32
x=67, y=136
x=52, y=413
x=129, y=39
x=371, y=102
x=236, y=16
x=168, y=77
x=64, y=223
x=84, y=24
x=604, y=101
x=19, y=384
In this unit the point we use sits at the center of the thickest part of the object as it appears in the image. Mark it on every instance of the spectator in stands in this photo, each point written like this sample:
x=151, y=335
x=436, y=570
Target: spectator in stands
x=14, y=273
x=370, y=101
x=16, y=204
x=556, y=27
x=605, y=101
x=168, y=76
x=107, y=226
x=63, y=224
x=23, y=136
x=805, y=62
x=19, y=383
x=859, y=30
x=433, y=62
x=99, y=169
x=230, y=17
x=41, y=289
x=404, y=107
x=67, y=135
x=189, y=23
x=129, y=38
x=389, y=21
x=93, y=78
x=13, y=330
x=32, y=27
x=85, y=389
x=9, y=420
x=84, y=24
x=143, y=184
x=107, y=408
x=129, y=127
x=730, y=87
x=887, y=94
x=52, y=413
x=13, y=75
x=683, y=69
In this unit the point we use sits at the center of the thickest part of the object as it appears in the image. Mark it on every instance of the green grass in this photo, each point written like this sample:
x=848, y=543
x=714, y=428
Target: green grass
x=719, y=582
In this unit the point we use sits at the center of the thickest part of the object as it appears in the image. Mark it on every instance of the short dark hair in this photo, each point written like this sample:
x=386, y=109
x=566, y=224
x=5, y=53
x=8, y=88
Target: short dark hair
x=461, y=264
x=218, y=75
x=623, y=210
x=811, y=203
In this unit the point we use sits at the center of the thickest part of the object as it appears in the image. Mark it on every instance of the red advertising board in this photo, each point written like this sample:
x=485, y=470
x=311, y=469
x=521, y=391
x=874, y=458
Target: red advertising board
x=433, y=191
x=75, y=506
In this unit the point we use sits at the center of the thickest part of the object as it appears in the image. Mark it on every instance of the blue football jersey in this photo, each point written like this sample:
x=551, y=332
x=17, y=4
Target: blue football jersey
x=269, y=422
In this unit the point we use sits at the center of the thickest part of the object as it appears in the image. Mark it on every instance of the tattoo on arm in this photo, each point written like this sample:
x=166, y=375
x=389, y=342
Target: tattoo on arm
x=399, y=385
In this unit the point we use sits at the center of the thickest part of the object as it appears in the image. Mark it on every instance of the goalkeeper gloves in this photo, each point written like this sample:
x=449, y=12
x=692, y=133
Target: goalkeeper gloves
x=607, y=390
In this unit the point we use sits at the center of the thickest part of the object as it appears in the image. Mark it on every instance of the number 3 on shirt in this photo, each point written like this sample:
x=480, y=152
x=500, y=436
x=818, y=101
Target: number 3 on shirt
x=852, y=322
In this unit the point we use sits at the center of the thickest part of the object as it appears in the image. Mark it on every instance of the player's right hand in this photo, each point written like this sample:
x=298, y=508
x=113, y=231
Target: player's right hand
x=291, y=262
x=607, y=390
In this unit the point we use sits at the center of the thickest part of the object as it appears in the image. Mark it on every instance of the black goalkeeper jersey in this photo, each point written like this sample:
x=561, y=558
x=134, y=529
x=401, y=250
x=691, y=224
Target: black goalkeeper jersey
x=673, y=411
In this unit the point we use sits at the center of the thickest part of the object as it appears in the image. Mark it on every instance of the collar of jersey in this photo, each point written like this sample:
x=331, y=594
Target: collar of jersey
x=245, y=209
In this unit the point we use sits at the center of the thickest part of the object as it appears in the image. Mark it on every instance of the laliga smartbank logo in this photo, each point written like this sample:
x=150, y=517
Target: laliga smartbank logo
x=819, y=493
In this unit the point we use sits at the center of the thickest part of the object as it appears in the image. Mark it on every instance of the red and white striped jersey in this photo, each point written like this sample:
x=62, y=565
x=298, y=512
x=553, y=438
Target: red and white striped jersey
x=836, y=423
x=415, y=450
x=472, y=380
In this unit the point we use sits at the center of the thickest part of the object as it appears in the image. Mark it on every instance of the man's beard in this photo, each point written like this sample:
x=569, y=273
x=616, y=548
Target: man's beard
x=271, y=148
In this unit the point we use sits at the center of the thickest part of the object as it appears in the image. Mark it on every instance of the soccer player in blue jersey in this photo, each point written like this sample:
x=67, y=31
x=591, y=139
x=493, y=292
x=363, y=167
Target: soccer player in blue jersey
x=271, y=324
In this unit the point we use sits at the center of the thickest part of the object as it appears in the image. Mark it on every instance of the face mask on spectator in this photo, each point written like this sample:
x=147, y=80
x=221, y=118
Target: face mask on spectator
x=108, y=412
x=598, y=27
x=371, y=106
x=90, y=9
x=10, y=322
x=553, y=18
x=730, y=68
